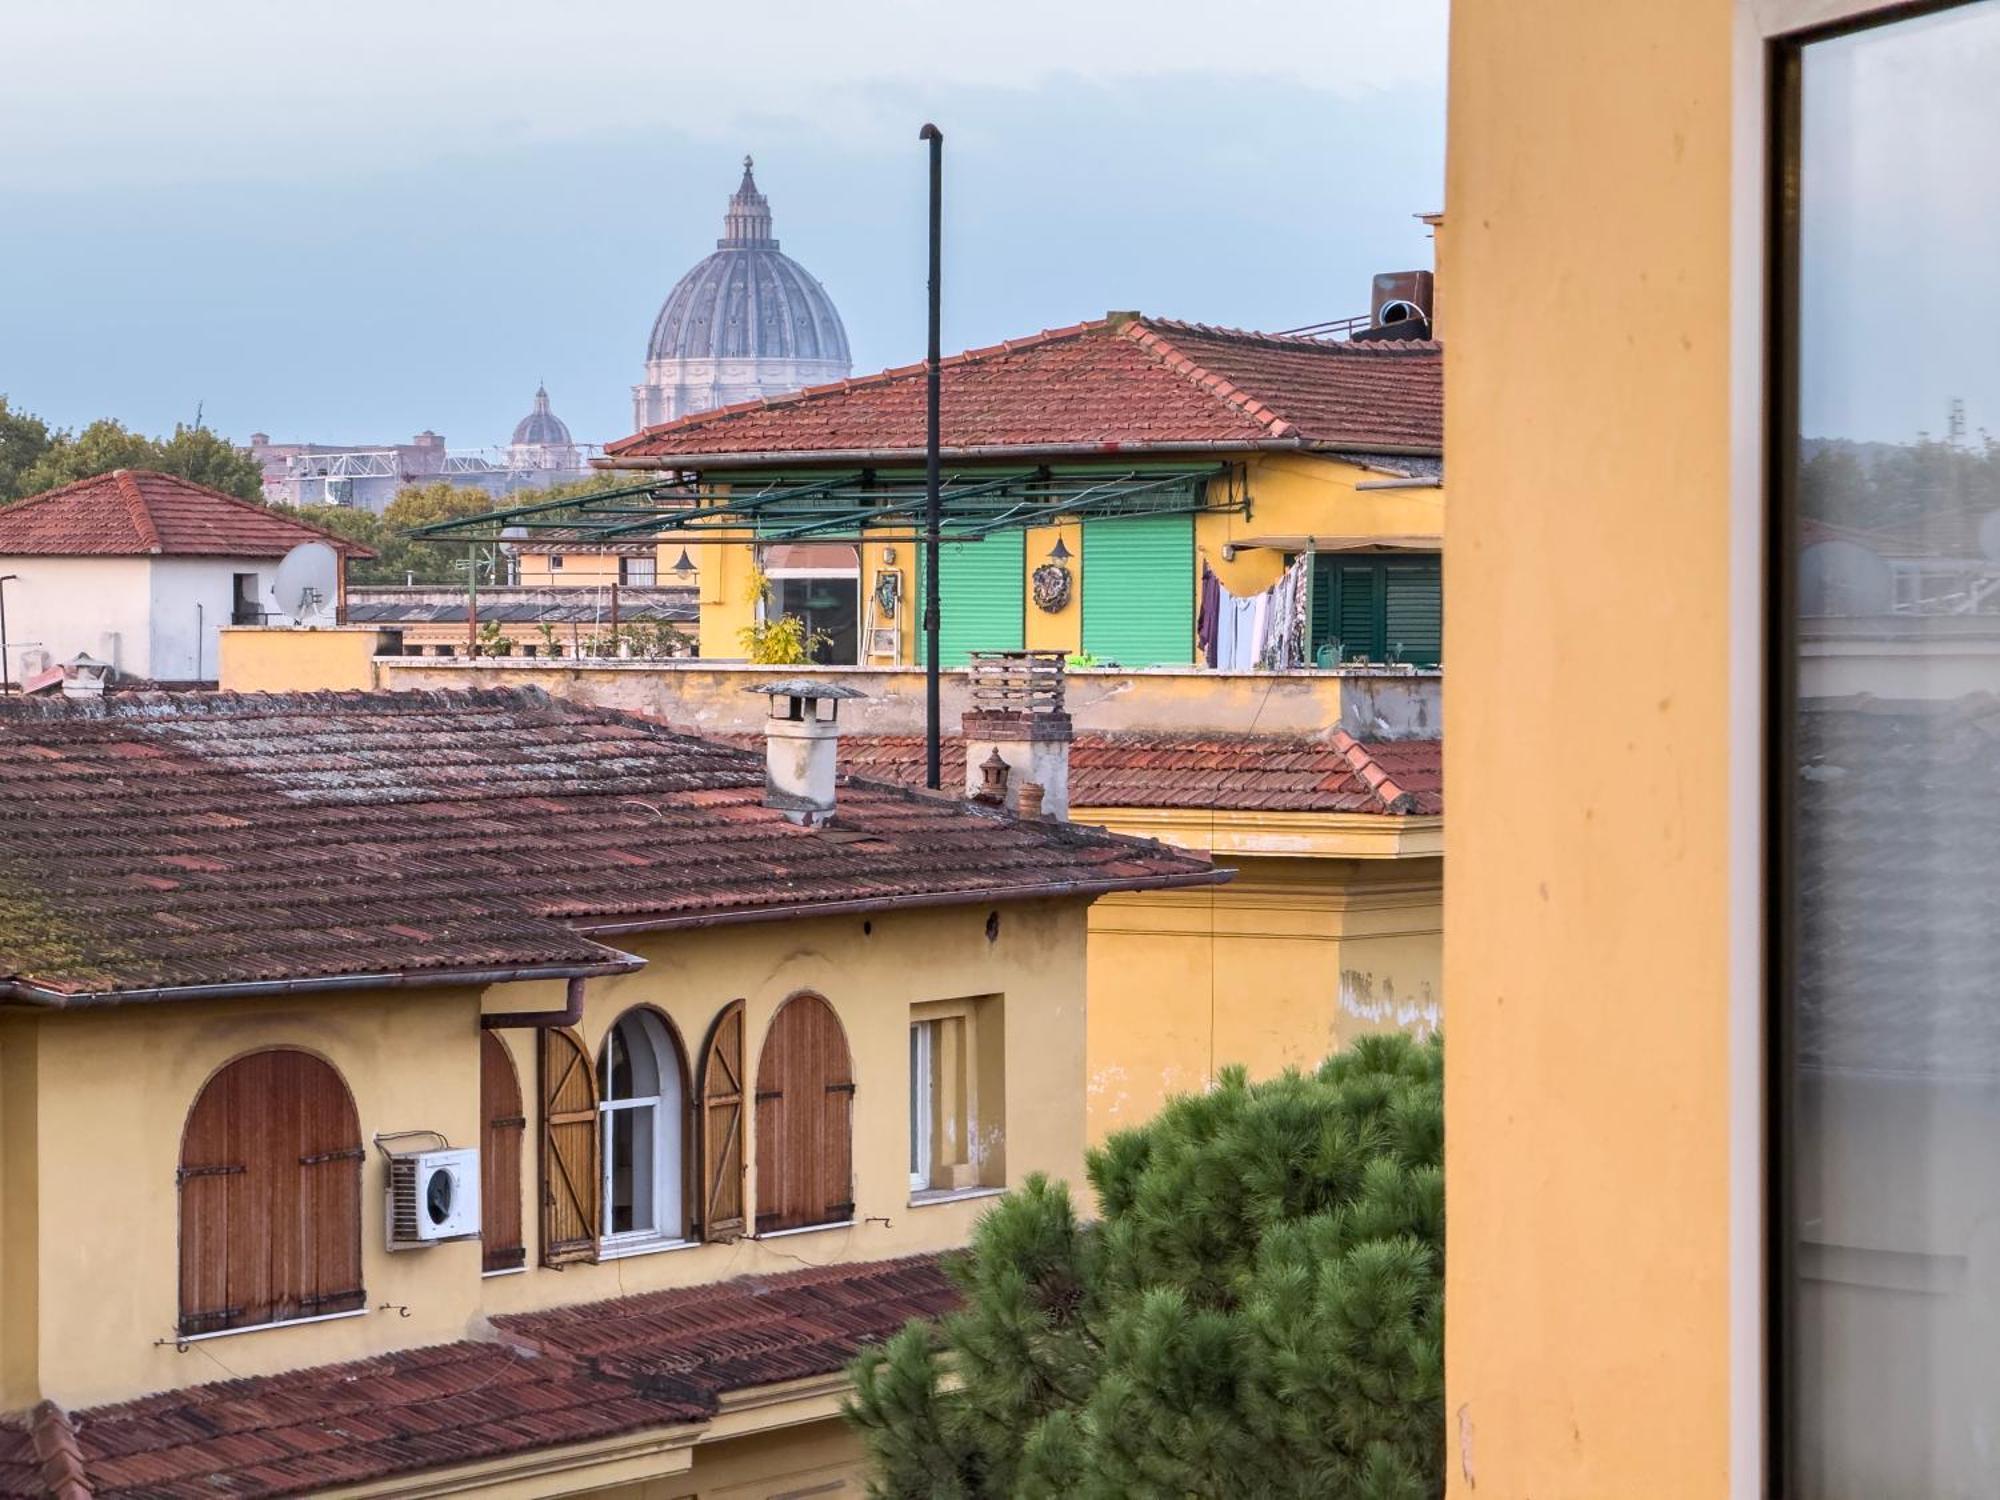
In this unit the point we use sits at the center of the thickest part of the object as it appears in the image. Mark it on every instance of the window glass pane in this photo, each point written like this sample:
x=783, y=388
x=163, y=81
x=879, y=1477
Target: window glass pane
x=1893, y=1115
x=628, y=1153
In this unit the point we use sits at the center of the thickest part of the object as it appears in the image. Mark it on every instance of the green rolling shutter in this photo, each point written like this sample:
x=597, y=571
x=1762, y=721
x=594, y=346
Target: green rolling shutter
x=983, y=592
x=1138, y=590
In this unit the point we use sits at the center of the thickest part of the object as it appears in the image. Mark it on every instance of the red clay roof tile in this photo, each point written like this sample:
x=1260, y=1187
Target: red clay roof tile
x=1128, y=385
x=569, y=1375
x=1245, y=772
x=327, y=828
x=138, y=513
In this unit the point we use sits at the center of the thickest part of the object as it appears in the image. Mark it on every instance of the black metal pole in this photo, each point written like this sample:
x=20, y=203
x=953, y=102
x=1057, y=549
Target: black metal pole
x=933, y=507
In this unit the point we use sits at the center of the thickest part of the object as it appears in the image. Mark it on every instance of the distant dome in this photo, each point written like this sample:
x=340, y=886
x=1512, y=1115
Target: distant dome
x=747, y=301
x=541, y=428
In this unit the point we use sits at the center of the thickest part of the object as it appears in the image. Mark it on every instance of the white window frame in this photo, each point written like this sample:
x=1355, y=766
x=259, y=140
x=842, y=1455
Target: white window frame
x=668, y=1144
x=923, y=1103
x=1758, y=24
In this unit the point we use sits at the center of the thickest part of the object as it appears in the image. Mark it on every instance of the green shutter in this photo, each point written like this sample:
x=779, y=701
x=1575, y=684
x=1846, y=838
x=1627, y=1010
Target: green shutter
x=1413, y=613
x=1379, y=609
x=1138, y=590
x=982, y=592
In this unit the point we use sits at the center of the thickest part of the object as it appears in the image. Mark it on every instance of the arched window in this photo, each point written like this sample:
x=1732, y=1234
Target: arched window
x=502, y=1126
x=805, y=1108
x=642, y=1113
x=270, y=1195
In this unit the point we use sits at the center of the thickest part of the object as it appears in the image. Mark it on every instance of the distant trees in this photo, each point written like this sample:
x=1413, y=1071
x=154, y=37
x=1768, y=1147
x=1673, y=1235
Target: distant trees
x=1930, y=494
x=1259, y=1309
x=34, y=458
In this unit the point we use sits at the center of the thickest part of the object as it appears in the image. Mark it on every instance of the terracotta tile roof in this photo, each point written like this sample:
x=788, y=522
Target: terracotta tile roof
x=169, y=840
x=571, y=1375
x=137, y=513
x=1127, y=386
x=758, y=1330
x=1247, y=772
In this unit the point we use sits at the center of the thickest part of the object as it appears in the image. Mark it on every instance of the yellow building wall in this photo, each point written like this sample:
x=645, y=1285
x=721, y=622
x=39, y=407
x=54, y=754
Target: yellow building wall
x=577, y=568
x=259, y=659
x=94, y=1102
x=1587, y=292
x=822, y=1459
x=1053, y=630
x=1293, y=496
x=1288, y=962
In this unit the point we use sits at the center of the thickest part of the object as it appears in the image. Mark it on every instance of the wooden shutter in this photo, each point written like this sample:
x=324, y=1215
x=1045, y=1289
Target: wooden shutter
x=720, y=1127
x=1138, y=590
x=982, y=593
x=569, y=1149
x=805, y=1119
x=270, y=1195
x=501, y=1131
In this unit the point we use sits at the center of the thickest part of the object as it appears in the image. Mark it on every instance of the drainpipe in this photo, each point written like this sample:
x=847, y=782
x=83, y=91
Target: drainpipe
x=569, y=1015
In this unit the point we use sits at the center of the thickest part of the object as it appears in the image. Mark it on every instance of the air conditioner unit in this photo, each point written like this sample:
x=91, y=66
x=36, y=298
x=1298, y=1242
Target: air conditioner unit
x=433, y=1196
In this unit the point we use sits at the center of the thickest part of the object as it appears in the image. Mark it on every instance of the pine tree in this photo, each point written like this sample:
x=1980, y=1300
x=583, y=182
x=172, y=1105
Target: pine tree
x=1258, y=1309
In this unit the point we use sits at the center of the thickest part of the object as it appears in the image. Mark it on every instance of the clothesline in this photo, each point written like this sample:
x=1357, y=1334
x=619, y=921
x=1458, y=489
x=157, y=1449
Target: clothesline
x=1245, y=632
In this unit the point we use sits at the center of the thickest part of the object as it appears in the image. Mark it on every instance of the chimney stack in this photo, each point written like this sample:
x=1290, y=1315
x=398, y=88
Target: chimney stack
x=800, y=737
x=1018, y=714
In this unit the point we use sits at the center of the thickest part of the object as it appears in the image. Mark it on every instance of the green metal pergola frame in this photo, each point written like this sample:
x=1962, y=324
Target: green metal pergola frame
x=854, y=505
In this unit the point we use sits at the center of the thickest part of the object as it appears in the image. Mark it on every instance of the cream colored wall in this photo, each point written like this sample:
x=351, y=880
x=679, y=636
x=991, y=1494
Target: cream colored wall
x=872, y=978
x=1588, y=1076
x=1288, y=962
x=577, y=568
x=89, y=1293
x=260, y=659
x=112, y=1091
x=820, y=1458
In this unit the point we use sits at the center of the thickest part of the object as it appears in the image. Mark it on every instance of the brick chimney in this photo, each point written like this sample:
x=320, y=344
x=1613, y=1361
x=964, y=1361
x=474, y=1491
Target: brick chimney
x=1018, y=714
x=800, y=737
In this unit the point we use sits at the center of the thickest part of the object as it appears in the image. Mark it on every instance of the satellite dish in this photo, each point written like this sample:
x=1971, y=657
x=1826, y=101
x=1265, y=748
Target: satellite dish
x=308, y=584
x=1844, y=578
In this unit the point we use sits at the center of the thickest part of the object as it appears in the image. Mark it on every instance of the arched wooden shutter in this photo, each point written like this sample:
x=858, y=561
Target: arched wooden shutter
x=501, y=1129
x=270, y=1190
x=721, y=1127
x=805, y=1109
x=569, y=1149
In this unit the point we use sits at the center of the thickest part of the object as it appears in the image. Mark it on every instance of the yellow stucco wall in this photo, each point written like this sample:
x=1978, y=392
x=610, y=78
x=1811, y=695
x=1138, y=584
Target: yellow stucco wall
x=94, y=1102
x=1293, y=496
x=1289, y=961
x=1587, y=290
x=260, y=659
x=577, y=568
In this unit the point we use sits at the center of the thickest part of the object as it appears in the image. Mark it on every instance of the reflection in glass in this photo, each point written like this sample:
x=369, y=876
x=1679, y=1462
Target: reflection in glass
x=1894, y=1367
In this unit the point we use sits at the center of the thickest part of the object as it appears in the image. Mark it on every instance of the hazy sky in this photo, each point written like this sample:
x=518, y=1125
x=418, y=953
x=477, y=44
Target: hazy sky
x=347, y=222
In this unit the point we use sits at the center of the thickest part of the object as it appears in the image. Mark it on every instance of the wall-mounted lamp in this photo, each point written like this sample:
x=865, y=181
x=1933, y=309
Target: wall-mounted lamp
x=1229, y=552
x=888, y=556
x=1059, y=553
x=685, y=565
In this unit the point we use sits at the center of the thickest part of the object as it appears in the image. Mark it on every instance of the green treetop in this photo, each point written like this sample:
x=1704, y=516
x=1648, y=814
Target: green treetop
x=1258, y=1309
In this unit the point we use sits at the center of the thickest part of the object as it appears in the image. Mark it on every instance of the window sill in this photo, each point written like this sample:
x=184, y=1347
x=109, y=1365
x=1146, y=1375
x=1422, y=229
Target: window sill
x=230, y=1333
x=952, y=1195
x=506, y=1271
x=782, y=1234
x=631, y=1248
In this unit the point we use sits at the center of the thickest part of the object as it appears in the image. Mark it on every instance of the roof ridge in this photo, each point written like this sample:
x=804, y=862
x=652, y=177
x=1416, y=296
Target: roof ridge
x=59, y=1458
x=1378, y=781
x=127, y=484
x=697, y=419
x=1230, y=394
